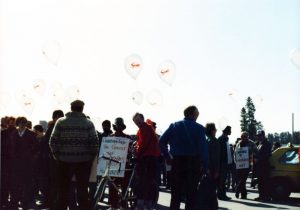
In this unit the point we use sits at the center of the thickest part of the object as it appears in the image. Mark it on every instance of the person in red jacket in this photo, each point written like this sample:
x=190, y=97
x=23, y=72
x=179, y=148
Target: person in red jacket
x=147, y=168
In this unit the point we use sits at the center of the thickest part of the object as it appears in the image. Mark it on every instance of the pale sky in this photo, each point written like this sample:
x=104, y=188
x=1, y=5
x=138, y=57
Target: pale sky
x=218, y=48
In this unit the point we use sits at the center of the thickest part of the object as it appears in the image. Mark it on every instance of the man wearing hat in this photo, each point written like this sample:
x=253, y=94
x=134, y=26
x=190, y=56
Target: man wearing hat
x=74, y=144
x=263, y=165
x=113, y=198
x=225, y=161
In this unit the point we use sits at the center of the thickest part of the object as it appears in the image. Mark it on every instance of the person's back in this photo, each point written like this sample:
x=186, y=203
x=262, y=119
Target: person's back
x=189, y=149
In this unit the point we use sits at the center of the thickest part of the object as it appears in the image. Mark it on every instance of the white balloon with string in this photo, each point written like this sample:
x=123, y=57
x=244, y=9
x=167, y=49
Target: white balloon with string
x=167, y=72
x=133, y=65
x=52, y=51
x=295, y=57
x=137, y=97
x=28, y=105
x=39, y=87
x=155, y=98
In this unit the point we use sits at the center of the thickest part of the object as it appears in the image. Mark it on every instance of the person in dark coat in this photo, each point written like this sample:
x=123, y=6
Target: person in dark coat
x=263, y=166
x=6, y=159
x=24, y=150
x=53, y=180
x=225, y=161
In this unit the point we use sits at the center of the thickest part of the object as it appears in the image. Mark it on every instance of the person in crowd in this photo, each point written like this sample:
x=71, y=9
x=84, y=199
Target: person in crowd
x=263, y=166
x=113, y=198
x=147, y=153
x=276, y=145
x=231, y=172
x=74, y=144
x=243, y=172
x=6, y=158
x=106, y=127
x=29, y=125
x=213, y=155
x=226, y=161
x=41, y=172
x=189, y=149
x=52, y=176
x=24, y=150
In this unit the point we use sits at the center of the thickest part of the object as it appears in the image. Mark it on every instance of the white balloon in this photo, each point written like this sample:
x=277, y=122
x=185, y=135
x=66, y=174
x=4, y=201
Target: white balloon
x=167, y=72
x=155, y=98
x=59, y=96
x=39, y=86
x=258, y=99
x=52, y=51
x=295, y=57
x=28, y=105
x=133, y=65
x=22, y=95
x=72, y=93
x=137, y=97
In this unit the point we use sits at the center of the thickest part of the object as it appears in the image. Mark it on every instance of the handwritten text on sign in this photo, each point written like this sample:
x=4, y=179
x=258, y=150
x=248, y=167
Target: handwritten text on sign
x=242, y=158
x=117, y=149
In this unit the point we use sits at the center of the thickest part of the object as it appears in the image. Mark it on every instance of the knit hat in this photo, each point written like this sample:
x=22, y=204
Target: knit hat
x=119, y=124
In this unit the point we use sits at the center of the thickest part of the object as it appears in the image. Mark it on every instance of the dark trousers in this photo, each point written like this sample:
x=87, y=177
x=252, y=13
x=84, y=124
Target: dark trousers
x=5, y=180
x=53, y=184
x=185, y=177
x=222, y=182
x=242, y=175
x=147, y=170
x=263, y=176
x=22, y=173
x=82, y=172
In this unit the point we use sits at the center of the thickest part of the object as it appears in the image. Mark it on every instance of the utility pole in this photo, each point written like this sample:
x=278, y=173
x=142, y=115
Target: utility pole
x=293, y=140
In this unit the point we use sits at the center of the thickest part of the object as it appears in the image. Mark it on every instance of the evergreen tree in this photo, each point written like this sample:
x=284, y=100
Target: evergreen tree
x=244, y=122
x=248, y=121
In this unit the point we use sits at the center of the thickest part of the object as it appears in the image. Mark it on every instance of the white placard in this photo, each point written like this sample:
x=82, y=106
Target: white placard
x=242, y=158
x=117, y=149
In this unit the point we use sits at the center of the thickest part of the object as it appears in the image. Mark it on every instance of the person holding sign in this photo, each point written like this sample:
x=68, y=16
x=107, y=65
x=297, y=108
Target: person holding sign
x=113, y=198
x=244, y=151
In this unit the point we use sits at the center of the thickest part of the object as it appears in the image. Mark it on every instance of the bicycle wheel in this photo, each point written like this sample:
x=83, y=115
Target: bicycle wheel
x=99, y=193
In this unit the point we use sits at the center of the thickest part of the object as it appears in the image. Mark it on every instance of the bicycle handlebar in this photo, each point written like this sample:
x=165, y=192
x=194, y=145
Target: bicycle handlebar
x=112, y=160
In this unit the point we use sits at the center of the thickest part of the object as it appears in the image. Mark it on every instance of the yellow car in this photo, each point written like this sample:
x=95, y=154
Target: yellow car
x=285, y=172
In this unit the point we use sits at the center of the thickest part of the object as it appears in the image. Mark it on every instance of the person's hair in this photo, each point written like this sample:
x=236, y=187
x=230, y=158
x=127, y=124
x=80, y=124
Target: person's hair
x=21, y=119
x=38, y=128
x=227, y=129
x=138, y=114
x=76, y=108
x=57, y=114
x=210, y=127
x=106, y=122
x=190, y=111
x=245, y=133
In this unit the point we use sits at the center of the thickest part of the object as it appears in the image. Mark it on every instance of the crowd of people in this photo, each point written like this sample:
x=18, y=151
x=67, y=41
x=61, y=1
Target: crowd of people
x=53, y=164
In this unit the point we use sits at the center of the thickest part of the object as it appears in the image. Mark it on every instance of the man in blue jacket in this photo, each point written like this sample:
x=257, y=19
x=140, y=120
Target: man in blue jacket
x=189, y=149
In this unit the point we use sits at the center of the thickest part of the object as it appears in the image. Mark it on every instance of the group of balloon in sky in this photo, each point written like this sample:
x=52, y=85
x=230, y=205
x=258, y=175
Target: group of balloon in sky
x=166, y=72
x=52, y=51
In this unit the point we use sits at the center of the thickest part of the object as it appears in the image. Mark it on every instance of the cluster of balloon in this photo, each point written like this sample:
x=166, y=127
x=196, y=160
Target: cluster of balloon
x=26, y=101
x=167, y=72
x=154, y=98
x=133, y=65
x=5, y=99
x=39, y=87
x=222, y=123
x=72, y=93
x=52, y=51
x=258, y=99
x=295, y=57
x=137, y=97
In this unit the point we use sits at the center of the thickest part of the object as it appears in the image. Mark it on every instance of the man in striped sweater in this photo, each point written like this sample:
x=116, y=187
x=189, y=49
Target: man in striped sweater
x=74, y=144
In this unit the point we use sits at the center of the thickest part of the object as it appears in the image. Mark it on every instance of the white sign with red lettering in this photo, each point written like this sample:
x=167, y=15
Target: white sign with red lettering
x=115, y=148
x=242, y=158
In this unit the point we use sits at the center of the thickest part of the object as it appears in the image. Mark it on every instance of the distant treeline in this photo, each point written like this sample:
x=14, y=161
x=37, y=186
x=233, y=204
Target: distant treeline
x=284, y=137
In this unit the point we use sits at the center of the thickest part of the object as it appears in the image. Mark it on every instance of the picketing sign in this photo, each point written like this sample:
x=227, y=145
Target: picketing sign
x=115, y=148
x=242, y=158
